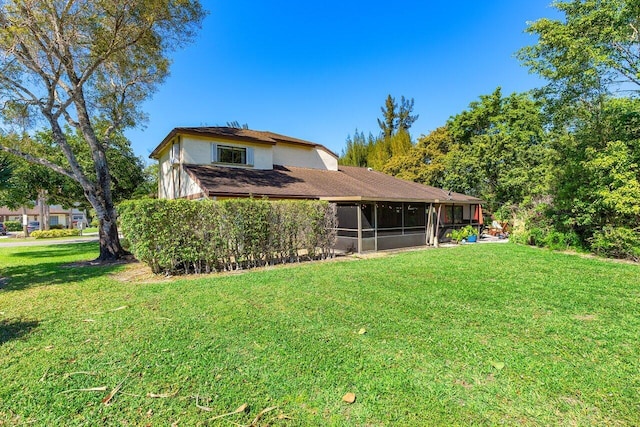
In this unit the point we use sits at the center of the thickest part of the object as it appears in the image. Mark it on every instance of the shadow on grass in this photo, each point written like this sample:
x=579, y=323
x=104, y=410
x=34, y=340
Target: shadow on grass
x=57, y=250
x=54, y=265
x=11, y=329
x=51, y=273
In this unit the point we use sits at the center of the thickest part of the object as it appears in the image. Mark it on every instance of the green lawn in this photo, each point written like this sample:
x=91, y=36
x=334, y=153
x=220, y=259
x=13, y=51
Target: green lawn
x=470, y=335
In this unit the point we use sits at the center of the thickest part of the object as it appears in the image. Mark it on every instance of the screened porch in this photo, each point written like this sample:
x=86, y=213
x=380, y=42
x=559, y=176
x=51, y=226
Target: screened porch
x=379, y=225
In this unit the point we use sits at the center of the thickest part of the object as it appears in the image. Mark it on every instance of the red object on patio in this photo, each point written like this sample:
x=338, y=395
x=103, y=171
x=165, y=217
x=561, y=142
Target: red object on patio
x=478, y=215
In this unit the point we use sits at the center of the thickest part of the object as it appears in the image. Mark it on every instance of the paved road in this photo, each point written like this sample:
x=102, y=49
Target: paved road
x=9, y=241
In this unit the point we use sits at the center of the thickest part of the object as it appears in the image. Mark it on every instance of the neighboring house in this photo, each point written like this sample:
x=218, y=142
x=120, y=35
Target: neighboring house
x=375, y=210
x=58, y=216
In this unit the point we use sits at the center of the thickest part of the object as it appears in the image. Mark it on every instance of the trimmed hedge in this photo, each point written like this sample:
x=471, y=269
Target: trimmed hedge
x=182, y=236
x=46, y=234
x=13, y=225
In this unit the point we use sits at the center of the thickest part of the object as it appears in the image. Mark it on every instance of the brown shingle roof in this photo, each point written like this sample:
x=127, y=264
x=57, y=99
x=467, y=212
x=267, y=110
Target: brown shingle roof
x=235, y=134
x=347, y=183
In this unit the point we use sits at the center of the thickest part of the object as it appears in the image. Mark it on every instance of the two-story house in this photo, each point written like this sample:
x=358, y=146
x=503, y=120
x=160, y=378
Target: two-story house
x=375, y=211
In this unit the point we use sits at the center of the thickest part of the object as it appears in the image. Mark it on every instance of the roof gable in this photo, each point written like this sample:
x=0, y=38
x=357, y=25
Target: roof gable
x=235, y=134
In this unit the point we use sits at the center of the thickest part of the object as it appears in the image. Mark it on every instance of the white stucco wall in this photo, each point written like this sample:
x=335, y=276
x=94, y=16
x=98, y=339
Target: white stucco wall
x=198, y=151
x=165, y=187
x=304, y=157
x=174, y=182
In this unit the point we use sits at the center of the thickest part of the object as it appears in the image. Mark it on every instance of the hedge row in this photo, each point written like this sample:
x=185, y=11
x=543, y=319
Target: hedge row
x=13, y=225
x=182, y=236
x=45, y=234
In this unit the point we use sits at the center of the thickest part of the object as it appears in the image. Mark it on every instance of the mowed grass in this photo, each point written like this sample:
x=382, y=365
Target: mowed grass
x=470, y=335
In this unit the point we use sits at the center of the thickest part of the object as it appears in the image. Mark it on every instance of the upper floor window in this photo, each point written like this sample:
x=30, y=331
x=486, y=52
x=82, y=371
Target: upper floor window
x=231, y=155
x=174, y=154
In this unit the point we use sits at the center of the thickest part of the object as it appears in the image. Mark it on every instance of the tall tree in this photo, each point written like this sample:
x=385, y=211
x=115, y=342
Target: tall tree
x=588, y=58
x=396, y=117
x=425, y=162
x=500, y=150
x=357, y=150
x=591, y=51
x=84, y=63
x=405, y=118
x=389, y=120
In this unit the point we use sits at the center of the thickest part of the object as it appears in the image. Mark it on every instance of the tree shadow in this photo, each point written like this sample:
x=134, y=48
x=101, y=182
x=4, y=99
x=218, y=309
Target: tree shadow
x=11, y=329
x=49, y=269
x=55, y=251
x=49, y=273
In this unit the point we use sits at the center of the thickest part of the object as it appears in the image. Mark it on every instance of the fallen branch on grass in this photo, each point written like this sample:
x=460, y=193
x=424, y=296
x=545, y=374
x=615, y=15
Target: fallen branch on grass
x=101, y=388
x=254, y=423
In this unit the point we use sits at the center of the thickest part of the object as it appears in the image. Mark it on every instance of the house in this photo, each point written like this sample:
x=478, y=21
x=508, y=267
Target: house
x=58, y=216
x=375, y=211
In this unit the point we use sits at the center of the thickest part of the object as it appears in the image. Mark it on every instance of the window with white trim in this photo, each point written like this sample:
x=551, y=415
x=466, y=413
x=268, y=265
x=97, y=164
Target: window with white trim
x=231, y=155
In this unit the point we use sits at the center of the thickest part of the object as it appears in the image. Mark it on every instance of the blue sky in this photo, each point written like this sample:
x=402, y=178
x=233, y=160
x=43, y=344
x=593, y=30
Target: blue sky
x=319, y=70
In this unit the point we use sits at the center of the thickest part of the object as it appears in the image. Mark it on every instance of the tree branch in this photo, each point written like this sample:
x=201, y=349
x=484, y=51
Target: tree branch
x=40, y=161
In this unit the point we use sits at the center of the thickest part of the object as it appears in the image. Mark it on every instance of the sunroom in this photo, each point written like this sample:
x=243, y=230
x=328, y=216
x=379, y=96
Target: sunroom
x=378, y=225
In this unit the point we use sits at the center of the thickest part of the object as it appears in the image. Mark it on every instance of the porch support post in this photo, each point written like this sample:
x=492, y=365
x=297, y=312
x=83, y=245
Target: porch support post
x=429, y=224
x=436, y=239
x=359, y=205
x=375, y=225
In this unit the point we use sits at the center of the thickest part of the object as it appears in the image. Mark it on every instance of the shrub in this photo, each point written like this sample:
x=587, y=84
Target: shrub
x=181, y=236
x=617, y=242
x=463, y=233
x=13, y=225
x=45, y=234
x=558, y=240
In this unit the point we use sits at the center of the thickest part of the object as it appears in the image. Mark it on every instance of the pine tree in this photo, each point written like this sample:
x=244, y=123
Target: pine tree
x=389, y=121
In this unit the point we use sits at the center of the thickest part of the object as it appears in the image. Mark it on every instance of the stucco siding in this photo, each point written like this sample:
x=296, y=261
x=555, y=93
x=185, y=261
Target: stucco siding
x=303, y=157
x=198, y=151
x=165, y=187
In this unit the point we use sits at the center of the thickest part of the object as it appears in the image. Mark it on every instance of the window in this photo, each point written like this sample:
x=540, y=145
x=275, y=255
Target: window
x=231, y=155
x=457, y=214
x=453, y=214
x=174, y=155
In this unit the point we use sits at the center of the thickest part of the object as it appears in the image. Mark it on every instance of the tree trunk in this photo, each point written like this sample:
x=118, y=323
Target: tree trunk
x=40, y=210
x=110, y=247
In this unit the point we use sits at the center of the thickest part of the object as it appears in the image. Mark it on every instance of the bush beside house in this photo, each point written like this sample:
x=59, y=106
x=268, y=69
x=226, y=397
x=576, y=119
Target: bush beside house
x=182, y=236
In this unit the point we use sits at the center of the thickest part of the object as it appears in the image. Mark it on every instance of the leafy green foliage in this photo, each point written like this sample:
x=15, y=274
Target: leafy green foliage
x=13, y=225
x=6, y=170
x=463, y=233
x=593, y=49
x=499, y=150
x=393, y=141
x=597, y=186
x=357, y=150
x=89, y=66
x=585, y=57
x=424, y=162
x=174, y=236
x=617, y=242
